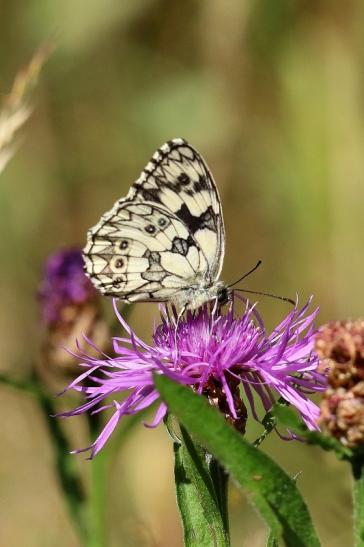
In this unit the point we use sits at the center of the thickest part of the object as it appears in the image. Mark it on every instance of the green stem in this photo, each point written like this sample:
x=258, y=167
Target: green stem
x=358, y=500
x=68, y=475
x=199, y=500
x=29, y=385
x=66, y=467
x=97, y=499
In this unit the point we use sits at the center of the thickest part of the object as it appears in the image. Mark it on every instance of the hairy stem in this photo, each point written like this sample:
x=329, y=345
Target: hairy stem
x=358, y=500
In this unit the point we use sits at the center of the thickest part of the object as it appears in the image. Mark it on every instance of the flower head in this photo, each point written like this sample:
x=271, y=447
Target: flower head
x=64, y=284
x=225, y=356
x=340, y=345
x=70, y=307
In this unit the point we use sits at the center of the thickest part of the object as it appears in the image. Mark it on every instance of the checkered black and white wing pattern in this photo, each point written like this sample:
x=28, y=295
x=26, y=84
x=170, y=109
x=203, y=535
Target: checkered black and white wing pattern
x=143, y=252
x=165, y=237
x=178, y=178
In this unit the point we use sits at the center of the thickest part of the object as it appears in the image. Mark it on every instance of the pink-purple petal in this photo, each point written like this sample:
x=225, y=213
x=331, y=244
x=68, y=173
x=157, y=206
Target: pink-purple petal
x=212, y=346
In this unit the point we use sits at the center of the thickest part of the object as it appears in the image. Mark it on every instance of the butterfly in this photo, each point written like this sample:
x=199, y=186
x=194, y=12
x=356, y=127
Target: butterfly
x=165, y=241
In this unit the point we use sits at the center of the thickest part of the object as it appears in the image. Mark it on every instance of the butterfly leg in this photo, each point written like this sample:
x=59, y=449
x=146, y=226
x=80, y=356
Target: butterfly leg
x=179, y=317
x=216, y=306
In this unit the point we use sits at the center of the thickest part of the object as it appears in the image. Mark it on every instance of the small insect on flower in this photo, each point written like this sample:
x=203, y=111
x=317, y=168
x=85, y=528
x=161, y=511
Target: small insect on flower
x=223, y=355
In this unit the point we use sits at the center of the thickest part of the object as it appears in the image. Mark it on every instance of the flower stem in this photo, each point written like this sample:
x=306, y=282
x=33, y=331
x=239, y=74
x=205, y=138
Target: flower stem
x=97, y=500
x=201, y=499
x=358, y=500
x=69, y=478
x=68, y=474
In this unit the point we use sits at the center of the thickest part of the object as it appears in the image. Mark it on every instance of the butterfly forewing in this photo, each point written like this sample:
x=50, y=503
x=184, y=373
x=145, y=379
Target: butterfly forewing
x=178, y=178
x=166, y=236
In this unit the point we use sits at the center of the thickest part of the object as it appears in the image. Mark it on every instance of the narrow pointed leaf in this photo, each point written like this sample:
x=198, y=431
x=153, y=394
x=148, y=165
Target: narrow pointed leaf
x=288, y=418
x=269, y=487
x=203, y=524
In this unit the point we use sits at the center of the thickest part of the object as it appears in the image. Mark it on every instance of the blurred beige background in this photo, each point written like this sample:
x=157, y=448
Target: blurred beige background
x=272, y=94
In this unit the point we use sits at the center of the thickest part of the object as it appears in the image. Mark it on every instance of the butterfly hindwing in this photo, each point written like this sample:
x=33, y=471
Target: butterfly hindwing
x=143, y=252
x=165, y=240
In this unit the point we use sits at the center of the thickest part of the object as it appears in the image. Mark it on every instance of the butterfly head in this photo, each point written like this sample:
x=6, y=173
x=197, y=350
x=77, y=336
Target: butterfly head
x=194, y=297
x=223, y=295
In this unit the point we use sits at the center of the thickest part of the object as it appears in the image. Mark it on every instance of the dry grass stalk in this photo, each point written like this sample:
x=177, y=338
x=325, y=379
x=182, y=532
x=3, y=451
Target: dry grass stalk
x=15, y=109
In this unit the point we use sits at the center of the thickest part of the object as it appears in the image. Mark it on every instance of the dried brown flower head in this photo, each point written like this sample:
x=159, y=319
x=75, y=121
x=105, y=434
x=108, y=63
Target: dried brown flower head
x=340, y=346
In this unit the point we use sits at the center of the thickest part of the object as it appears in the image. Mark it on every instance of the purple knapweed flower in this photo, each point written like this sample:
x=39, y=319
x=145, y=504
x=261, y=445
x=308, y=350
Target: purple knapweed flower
x=229, y=351
x=64, y=283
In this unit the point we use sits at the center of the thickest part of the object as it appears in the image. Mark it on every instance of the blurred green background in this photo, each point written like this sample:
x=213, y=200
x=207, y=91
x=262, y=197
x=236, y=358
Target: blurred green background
x=272, y=94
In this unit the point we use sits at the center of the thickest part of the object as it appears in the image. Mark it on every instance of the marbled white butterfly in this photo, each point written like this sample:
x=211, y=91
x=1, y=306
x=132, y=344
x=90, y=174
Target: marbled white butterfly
x=165, y=240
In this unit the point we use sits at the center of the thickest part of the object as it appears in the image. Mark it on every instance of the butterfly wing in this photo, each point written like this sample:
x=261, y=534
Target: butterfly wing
x=142, y=251
x=175, y=185
x=178, y=178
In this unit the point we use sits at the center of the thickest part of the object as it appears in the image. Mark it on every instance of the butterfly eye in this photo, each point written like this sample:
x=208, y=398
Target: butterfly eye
x=123, y=245
x=150, y=229
x=223, y=296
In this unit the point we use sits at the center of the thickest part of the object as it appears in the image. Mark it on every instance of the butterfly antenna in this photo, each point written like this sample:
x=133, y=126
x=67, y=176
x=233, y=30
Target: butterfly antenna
x=246, y=274
x=285, y=299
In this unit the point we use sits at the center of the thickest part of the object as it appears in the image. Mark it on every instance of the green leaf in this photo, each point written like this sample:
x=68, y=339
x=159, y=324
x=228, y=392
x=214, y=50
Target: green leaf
x=272, y=541
x=202, y=520
x=220, y=479
x=288, y=418
x=272, y=491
